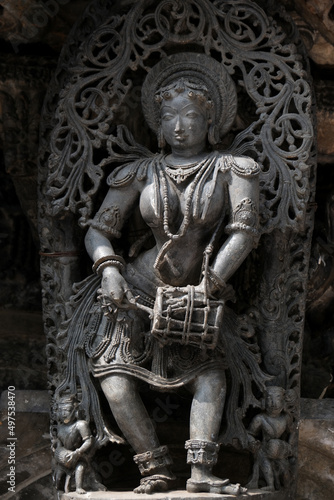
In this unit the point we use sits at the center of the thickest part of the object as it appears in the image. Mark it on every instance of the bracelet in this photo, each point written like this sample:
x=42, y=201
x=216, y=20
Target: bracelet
x=108, y=260
x=217, y=281
x=244, y=228
x=109, y=263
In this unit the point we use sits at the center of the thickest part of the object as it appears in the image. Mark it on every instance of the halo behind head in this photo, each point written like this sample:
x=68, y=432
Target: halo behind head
x=199, y=69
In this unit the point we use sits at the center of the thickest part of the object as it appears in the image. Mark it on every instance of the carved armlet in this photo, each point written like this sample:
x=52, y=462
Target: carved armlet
x=244, y=219
x=108, y=221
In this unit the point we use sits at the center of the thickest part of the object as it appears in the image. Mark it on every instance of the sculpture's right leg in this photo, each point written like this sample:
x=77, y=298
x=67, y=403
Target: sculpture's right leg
x=132, y=418
x=209, y=390
x=253, y=483
x=130, y=413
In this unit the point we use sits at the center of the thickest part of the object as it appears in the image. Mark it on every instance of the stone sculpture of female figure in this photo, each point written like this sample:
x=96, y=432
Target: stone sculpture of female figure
x=185, y=197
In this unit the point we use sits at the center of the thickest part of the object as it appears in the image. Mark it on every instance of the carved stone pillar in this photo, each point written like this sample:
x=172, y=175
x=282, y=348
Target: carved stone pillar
x=23, y=84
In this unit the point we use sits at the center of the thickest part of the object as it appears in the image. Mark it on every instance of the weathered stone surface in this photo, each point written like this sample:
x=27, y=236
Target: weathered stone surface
x=318, y=13
x=22, y=346
x=316, y=450
x=322, y=52
x=325, y=135
x=317, y=409
x=319, y=48
x=325, y=116
x=32, y=452
x=28, y=401
x=23, y=83
x=29, y=21
x=39, y=487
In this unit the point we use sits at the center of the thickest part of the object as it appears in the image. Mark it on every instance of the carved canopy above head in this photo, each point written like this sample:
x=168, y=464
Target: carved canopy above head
x=120, y=43
x=197, y=68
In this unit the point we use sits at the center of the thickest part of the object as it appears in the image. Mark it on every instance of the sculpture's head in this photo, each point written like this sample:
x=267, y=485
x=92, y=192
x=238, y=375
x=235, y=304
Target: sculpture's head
x=67, y=409
x=274, y=400
x=186, y=115
x=194, y=80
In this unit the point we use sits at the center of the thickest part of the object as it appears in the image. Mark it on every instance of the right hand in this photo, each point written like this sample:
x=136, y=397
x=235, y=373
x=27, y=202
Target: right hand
x=72, y=458
x=114, y=286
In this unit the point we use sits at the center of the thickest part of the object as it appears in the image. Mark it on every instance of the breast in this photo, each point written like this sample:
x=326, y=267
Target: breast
x=151, y=206
x=208, y=205
x=181, y=263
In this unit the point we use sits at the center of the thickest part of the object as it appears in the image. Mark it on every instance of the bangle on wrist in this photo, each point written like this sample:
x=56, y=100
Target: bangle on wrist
x=109, y=260
x=109, y=263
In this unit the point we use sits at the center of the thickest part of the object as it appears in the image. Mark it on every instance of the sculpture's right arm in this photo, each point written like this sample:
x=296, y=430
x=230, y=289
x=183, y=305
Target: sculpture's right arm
x=106, y=225
x=253, y=431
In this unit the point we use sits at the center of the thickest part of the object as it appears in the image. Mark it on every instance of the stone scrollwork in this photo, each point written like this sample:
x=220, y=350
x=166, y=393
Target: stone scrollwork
x=270, y=72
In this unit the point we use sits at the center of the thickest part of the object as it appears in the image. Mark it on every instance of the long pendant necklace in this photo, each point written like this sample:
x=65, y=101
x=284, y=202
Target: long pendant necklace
x=186, y=218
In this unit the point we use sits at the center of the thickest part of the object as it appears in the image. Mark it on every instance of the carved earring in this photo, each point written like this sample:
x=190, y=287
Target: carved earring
x=161, y=139
x=212, y=135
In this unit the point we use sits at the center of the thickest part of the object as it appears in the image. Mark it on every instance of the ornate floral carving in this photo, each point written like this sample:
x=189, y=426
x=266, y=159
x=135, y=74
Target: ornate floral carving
x=126, y=45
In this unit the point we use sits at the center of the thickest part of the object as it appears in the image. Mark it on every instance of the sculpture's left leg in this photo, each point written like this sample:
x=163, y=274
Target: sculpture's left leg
x=130, y=413
x=79, y=473
x=267, y=471
x=67, y=483
x=209, y=392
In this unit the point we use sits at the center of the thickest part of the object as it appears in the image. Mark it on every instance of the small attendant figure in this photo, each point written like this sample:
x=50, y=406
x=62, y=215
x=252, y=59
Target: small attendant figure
x=272, y=451
x=74, y=439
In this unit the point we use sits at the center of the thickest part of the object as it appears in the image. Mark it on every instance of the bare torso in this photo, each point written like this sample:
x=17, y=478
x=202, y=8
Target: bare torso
x=185, y=253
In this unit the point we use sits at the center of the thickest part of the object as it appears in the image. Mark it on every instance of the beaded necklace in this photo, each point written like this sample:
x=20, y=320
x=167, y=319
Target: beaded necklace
x=204, y=165
x=180, y=173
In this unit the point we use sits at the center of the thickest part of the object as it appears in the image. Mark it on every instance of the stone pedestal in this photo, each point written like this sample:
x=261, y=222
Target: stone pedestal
x=172, y=495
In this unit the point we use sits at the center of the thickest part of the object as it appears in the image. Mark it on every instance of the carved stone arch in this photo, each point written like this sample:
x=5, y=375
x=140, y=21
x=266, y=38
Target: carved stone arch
x=101, y=79
x=85, y=134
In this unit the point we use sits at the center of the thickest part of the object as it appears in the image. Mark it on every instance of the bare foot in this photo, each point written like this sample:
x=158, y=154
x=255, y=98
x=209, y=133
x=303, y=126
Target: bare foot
x=81, y=491
x=208, y=483
x=151, y=484
x=233, y=489
x=268, y=488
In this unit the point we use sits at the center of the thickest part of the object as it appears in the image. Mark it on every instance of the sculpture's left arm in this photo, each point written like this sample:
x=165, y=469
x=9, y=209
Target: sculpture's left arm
x=86, y=436
x=244, y=220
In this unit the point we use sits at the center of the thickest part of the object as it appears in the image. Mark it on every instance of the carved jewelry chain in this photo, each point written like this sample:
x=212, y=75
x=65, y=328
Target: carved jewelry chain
x=186, y=218
x=180, y=174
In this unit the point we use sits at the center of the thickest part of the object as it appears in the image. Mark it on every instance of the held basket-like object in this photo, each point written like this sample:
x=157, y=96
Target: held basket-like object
x=64, y=457
x=183, y=317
